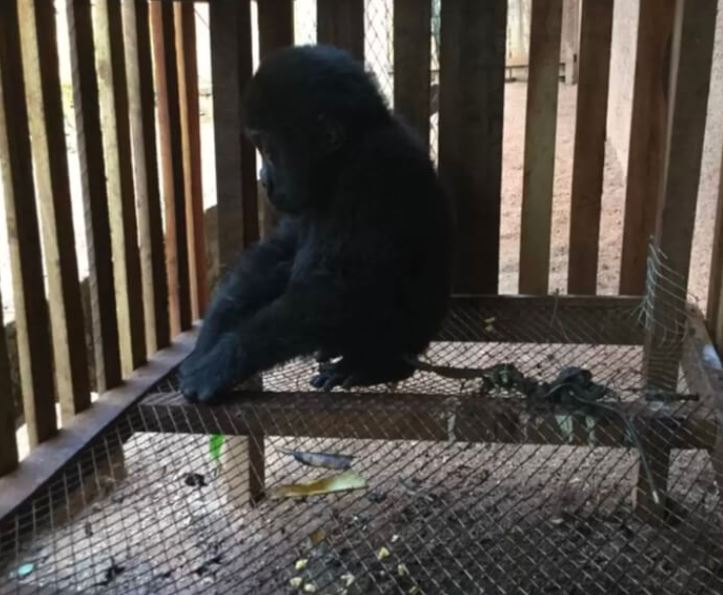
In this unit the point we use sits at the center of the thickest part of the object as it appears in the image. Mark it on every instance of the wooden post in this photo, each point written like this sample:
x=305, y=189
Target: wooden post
x=589, y=155
x=171, y=152
x=191, y=149
x=647, y=140
x=31, y=308
x=119, y=174
x=231, y=65
x=412, y=47
x=691, y=61
x=471, y=102
x=95, y=197
x=341, y=23
x=540, y=131
x=45, y=109
x=141, y=105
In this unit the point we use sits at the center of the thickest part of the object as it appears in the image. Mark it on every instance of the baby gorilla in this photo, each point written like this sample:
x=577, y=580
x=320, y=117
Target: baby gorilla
x=358, y=269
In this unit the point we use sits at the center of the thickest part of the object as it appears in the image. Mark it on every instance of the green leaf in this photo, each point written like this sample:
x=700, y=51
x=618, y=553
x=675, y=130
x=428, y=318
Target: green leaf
x=214, y=446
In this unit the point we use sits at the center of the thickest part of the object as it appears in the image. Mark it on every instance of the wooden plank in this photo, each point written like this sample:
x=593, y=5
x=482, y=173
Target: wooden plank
x=8, y=445
x=692, y=55
x=50, y=156
x=276, y=25
x=412, y=47
x=589, y=153
x=341, y=23
x=472, y=72
x=31, y=309
x=141, y=104
x=540, y=132
x=113, y=97
x=185, y=25
x=389, y=416
x=58, y=454
x=276, y=30
x=106, y=350
x=647, y=140
x=231, y=66
x=171, y=152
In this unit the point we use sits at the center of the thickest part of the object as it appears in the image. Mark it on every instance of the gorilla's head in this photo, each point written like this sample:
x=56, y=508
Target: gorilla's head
x=306, y=107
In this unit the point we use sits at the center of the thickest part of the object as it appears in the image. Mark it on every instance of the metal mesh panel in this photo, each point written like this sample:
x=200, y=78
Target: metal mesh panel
x=473, y=485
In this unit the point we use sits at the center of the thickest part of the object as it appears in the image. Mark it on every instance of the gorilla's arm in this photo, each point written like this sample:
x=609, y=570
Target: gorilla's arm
x=260, y=276
x=290, y=326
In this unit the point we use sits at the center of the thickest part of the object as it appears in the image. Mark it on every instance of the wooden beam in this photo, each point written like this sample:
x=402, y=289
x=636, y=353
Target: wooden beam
x=22, y=488
x=45, y=109
x=113, y=96
x=412, y=47
x=171, y=155
x=472, y=74
x=185, y=21
x=647, y=140
x=589, y=153
x=106, y=349
x=389, y=416
x=540, y=132
x=31, y=308
x=141, y=105
x=341, y=23
x=231, y=66
x=692, y=56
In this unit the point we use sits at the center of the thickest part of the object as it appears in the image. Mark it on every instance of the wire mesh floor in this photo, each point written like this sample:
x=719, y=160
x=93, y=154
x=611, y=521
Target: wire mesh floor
x=168, y=513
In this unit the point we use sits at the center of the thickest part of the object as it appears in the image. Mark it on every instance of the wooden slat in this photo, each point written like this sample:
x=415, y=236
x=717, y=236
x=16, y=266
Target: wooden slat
x=647, y=140
x=44, y=462
x=104, y=324
x=231, y=66
x=185, y=21
x=45, y=109
x=714, y=308
x=171, y=152
x=31, y=309
x=341, y=23
x=8, y=445
x=589, y=152
x=692, y=55
x=276, y=30
x=141, y=104
x=472, y=73
x=276, y=25
x=412, y=47
x=540, y=131
x=113, y=97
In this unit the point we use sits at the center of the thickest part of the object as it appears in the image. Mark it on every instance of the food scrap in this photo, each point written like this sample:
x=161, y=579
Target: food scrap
x=320, y=459
x=349, y=480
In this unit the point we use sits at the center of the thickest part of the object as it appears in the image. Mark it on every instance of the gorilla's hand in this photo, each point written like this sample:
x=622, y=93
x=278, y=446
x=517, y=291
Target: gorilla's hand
x=206, y=378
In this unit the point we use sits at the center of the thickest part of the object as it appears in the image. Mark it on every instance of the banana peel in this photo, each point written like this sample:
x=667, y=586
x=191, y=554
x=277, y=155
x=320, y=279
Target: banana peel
x=342, y=482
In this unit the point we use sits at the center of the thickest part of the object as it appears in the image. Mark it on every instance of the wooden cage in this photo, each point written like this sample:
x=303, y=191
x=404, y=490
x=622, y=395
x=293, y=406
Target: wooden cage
x=135, y=95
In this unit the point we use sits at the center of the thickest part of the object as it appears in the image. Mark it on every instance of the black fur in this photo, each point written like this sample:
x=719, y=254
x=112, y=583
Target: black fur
x=359, y=267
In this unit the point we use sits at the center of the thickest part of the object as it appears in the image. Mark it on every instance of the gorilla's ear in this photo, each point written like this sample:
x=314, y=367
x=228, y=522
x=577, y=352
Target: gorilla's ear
x=332, y=132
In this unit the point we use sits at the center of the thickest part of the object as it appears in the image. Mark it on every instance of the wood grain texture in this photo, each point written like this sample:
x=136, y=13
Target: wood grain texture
x=691, y=61
x=341, y=23
x=471, y=101
x=31, y=309
x=141, y=105
x=103, y=318
x=113, y=95
x=647, y=140
x=185, y=21
x=231, y=66
x=412, y=47
x=50, y=157
x=171, y=154
x=589, y=153
x=540, y=133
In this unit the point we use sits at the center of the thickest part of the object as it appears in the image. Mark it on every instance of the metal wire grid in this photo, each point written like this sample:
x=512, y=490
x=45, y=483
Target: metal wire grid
x=444, y=517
